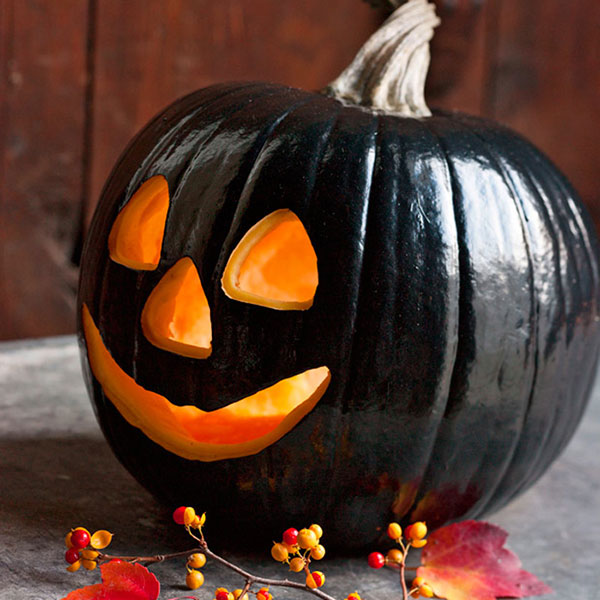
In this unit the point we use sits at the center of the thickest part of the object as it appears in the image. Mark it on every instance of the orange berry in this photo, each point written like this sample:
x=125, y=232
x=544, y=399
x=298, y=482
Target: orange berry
x=317, y=529
x=189, y=514
x=318, y=552
x=74, y=567
x=418, y=581
x=89, y=554
x=418, y=543
x=198, y=521
x=395, y=555
x=263, y=594
x=418, y=530
x=194, y=579
x=237, y=593
x=279, y=552
x=90, y=565
x=297, y=564
x=426, y=591
x=394, y=531
x=101, y=539
x=353, y=596
x=315, y=580
x=307, y=538
x=196, y=560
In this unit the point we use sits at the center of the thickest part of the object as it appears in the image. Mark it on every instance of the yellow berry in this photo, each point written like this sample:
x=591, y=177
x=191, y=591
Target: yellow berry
x=189, y=514
x=394, y=531
x=90, y=565
x=196, y=560
x=318, y=552
x=89, y=554
x=417, y=581
x=237, y=593
x=296, y=564
x=317, y=529
x=426, y=591
x=394, y=555
x=307, y=538
x=418, y=530
x=198, y=521
x=418, y=543
x=74, y=567
x=101, y=539
x=194, y=579
x=279, y=552
x=315, y=579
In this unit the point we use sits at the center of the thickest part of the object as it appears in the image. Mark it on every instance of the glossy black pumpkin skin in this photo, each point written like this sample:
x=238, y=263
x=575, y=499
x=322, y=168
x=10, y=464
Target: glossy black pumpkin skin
x=457, y=309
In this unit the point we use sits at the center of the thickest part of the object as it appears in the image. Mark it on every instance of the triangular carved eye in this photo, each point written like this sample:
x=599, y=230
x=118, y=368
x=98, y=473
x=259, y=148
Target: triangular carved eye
x=274, y=265
x=136, y=237
x=176, y=316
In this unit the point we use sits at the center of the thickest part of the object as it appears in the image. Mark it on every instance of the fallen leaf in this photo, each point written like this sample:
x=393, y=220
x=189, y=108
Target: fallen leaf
x=120, y=581
x=467, y=561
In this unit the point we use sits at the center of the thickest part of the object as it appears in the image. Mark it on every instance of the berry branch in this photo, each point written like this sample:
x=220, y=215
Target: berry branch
x=469, y=554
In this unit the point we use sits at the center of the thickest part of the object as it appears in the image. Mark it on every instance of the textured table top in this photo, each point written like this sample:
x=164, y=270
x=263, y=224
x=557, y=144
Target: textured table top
x=57, y=472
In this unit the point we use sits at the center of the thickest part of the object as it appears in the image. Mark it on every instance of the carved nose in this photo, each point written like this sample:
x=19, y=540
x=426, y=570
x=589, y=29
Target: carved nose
x=176, y=316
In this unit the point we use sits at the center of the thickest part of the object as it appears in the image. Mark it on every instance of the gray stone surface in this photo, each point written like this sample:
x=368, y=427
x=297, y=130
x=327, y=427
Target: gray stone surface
x=56, y=472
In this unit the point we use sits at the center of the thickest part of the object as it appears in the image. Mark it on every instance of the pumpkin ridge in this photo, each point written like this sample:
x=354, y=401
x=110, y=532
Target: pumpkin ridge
x=497, y=499
x=149, y=161
x=498, y=162
x=442, y=154
x=342, y=422
x=579, y=218
x=445, y=130
x=559, y=235
x=561, y=206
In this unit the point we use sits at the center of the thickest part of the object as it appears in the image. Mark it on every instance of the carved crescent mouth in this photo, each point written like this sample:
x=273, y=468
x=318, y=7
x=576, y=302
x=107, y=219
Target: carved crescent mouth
x=240, y=429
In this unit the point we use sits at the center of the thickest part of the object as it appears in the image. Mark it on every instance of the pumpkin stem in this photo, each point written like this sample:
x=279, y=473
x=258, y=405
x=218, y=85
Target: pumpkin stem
x=389, y=71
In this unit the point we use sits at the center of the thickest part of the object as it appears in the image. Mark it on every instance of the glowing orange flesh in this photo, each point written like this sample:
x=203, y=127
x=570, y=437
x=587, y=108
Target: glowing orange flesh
x=240, y=429
x=274, y=265
x=176, y=316
x=136, y=236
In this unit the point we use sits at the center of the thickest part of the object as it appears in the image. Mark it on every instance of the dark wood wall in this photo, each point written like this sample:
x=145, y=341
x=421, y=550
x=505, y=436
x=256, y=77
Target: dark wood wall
x=80, y=77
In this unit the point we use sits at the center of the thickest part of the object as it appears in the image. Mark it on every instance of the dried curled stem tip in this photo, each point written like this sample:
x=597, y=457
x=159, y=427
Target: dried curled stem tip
x=390, y=70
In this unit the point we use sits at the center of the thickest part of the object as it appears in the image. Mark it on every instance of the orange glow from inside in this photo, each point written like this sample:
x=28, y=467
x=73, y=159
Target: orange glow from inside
x=274, y=265
x=239, y=429
x=136, y=237
x=176, y=316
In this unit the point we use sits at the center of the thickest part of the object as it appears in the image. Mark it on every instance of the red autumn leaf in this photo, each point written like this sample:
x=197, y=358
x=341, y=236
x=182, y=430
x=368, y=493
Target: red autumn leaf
x=120, y=581
x=467, y=561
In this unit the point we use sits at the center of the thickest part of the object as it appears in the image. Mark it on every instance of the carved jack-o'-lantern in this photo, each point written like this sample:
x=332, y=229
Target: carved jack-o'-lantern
x=294, y=308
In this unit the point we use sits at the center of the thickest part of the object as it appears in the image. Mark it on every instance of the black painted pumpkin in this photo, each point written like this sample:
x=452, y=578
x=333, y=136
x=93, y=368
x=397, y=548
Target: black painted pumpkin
x=418, y=296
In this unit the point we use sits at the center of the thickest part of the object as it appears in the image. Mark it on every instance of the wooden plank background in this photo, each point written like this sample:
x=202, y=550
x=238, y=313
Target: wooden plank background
x=80, y=77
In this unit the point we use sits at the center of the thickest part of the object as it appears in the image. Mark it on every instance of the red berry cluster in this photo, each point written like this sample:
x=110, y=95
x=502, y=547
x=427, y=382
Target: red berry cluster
x=414, y=537
x=298, y=548
x=82, y=548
